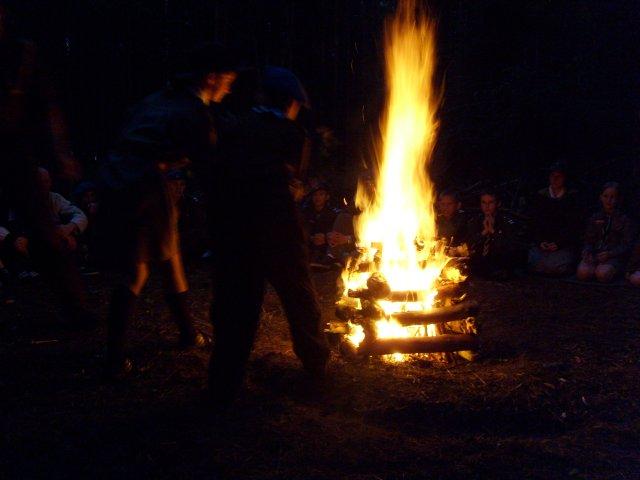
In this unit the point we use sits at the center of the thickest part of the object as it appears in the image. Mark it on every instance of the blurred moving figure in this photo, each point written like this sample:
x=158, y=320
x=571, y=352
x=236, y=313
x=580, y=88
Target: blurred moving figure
x=166, y=131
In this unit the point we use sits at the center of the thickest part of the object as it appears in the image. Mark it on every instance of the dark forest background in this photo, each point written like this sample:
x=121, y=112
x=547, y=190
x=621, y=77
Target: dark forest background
x=526, y=82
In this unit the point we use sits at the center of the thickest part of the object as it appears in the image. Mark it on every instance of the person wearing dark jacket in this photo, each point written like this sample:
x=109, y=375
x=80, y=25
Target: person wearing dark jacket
x=451, y=224
x=608, y=239
x=260, y=154
x=491, y=238
x=168, y=130
x=633, y=267
x=319, y=218
x=555, y=226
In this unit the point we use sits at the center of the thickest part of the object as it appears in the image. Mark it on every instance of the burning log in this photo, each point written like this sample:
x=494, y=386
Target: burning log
x=439, y=343
x=438, y=315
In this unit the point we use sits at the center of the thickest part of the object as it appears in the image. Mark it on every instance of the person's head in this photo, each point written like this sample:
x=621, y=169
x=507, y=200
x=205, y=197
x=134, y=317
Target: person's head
x=610, y=196
x=557, y=176
x=45, y=179
x=211, y=70
x=284, y=91
x=449, y=203
x=489, y=202
x=320, y=197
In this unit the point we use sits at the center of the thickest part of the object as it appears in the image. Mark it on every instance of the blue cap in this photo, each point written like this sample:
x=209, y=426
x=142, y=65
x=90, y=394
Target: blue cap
x=283, y=82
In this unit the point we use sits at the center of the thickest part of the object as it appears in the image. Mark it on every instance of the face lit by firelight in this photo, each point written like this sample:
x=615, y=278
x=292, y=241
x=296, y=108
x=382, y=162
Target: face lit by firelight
x=448, y=206
x=489, y=204
x=609, y=199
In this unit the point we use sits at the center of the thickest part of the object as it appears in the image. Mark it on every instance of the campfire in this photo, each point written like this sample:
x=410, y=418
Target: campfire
x=404, y=294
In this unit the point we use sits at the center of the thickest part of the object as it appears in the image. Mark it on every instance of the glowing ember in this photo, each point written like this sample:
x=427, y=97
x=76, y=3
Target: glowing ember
x=397, y=228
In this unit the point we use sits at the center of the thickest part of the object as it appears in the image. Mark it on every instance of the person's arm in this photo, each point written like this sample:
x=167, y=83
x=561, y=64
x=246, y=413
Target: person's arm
x=63, y=208
x=626, y=239
x=591, y=236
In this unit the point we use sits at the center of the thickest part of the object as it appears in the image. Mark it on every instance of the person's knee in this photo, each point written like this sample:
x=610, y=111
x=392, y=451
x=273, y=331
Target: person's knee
x=634, y=278
x=605, y=273
x=585, y=271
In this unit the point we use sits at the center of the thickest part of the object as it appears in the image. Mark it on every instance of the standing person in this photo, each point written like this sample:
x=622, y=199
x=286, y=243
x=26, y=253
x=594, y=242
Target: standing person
x=555, y=220
x=608, y=239
x=32, y=133
x=169, y=129
x=258, y=159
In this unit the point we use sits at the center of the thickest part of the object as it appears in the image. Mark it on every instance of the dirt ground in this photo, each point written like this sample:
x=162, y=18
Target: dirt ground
x=555, y=395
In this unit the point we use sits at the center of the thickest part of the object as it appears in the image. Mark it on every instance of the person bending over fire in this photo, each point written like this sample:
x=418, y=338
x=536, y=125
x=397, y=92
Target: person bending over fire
x=260, y=153
x=168, y=130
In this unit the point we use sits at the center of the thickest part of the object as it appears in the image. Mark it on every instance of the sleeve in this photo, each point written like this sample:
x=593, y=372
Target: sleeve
x=626, y=239
x=591, y=236
x=65, y=209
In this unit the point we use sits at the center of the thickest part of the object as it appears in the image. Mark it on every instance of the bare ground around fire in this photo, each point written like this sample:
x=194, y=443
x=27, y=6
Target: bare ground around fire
x=556, y=394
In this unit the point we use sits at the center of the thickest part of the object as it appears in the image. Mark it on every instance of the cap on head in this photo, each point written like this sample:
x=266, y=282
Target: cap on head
x=282, y=85
x=558, y=167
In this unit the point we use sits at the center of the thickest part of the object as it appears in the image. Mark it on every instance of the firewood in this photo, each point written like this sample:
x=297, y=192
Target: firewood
x=459, y=311
x=440, y=343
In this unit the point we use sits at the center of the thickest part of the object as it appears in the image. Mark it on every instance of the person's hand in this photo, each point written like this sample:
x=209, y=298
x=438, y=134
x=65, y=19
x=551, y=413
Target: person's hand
x=67, y=230
x=603, y=257
x=336, y=238
x=318, y=239
x=70, y=168
x=488, y=224
x=70, y=244
x=21, y=244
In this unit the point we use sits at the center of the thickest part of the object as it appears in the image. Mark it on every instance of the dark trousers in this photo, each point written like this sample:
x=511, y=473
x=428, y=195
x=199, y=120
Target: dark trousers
x=241, y=269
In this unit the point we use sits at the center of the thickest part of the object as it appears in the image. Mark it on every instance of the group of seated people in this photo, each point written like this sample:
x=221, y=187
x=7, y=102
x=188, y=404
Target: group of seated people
x=75, y=225
x=556, y=242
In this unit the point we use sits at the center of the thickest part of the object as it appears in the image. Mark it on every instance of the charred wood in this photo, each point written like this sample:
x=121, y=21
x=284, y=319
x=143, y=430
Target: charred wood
x=439, y=343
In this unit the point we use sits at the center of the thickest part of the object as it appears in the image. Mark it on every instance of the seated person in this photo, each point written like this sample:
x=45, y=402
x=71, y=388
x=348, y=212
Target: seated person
x=608, y=239
x=554, y=227
x=633, y=269
x=319, y=218
x=450, y=222
x=341, y=239
x=491, y=240
x=14, y=251
x=68, y=219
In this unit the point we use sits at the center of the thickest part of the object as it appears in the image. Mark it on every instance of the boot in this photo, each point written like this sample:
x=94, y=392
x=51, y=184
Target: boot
x=120, y=311
x=189, y=336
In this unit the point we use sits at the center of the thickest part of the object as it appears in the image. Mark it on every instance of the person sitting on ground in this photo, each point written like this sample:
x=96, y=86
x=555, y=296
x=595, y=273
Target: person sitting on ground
x=319, y=218
x=608, y=239
x=12, y=242
x=86, y=196
x=491, y=239
x=633, y=268
x=555, y=221
x=451, y=224
x=69, y=220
